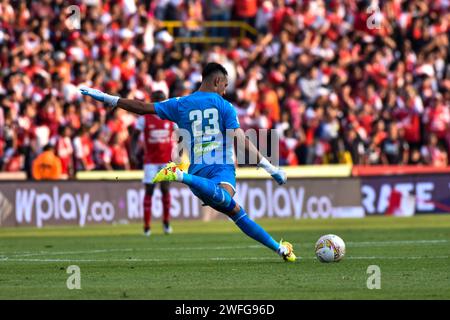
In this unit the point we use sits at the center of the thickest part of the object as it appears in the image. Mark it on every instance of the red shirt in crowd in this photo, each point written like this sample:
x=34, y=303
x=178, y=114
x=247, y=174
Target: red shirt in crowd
x=84, y=149
x=278, y=19
x=119, y=155
x=64, y=151
x=437, y=119
x=246, y=8
x=409, y=119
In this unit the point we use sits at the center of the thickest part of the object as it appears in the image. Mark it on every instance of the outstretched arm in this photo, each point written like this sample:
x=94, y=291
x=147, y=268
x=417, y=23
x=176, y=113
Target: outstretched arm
x=245, y=145
x=134, y=106
x=243, y=142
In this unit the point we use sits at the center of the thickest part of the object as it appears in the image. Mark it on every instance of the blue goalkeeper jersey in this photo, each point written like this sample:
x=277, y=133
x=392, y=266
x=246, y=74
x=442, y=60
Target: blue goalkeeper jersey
x=203, y=119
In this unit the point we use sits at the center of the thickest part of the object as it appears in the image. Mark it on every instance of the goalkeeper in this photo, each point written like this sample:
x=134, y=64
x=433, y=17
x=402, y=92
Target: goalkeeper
x=207, y=117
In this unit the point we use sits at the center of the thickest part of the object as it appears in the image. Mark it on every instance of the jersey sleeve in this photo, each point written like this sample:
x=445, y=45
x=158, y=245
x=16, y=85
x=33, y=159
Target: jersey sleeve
x=140, y=123
x=167, y=109
x=230, y=116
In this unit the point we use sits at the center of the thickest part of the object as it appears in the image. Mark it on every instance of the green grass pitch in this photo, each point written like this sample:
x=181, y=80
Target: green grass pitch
x=214, y=260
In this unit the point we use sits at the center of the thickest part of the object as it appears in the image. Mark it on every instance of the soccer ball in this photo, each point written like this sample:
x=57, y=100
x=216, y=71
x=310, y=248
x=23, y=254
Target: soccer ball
x=330, y=248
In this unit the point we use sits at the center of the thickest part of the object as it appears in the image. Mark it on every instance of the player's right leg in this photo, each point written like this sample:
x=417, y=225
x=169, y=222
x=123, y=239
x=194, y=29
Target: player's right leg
x=218, y=197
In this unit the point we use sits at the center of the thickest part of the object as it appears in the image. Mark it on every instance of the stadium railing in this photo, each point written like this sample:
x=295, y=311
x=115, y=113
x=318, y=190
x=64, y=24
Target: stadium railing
x=20, y=175
x=306, y=171
x=244, y=29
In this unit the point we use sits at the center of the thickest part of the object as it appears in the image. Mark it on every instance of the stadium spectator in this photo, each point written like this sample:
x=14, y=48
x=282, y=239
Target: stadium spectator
x=102, y=151
x=394, y=149
x=64, y=150
x=246, y=10
x=47, y=165
x=84, y=148
x=219, y=10
x=355, y=146
x=433, y=154
x=119, y=153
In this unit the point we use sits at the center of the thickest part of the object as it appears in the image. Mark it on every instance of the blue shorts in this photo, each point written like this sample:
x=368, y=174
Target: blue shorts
x=218, y=173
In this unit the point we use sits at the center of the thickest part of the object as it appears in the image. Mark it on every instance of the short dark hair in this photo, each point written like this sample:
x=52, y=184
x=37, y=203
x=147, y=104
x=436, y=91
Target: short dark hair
x=48, y=147
x=212, y=68
x=158, y=96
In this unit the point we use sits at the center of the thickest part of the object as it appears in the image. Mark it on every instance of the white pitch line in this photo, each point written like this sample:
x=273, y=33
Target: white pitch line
x=213, y=259
x=136, y=260
x=301, y=245
x=396, y=258
x=390, y=243
x=43, y=253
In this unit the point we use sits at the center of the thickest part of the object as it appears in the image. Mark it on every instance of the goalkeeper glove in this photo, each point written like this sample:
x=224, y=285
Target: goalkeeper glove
x=100, y=96
x=277, y=173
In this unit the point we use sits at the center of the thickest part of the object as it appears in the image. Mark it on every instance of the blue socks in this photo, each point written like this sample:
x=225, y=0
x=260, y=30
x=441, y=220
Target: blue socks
x=216, y=197
x=254, y=230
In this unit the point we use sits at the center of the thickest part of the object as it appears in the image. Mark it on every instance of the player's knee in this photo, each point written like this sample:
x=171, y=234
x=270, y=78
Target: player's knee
x=234, y=211
x=228, y=189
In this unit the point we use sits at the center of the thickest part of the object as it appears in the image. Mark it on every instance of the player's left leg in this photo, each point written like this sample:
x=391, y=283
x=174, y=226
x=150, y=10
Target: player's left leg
x=149, y=188
x=220, y=197
x=165, y=190
x=255, y=231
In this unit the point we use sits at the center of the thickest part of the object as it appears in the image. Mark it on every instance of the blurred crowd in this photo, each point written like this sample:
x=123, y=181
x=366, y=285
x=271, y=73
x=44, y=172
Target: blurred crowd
x=341, y=81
